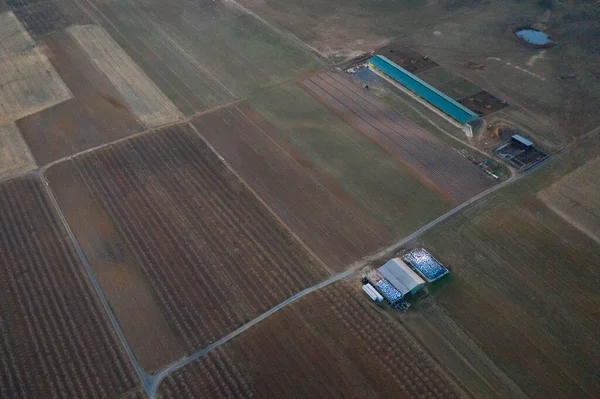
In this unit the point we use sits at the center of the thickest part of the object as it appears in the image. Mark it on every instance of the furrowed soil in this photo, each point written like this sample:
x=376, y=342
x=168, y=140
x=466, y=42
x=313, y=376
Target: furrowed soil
x=55, y=339
x=96, y=115
x=183, y=224
x=438, y=165
x=202, y=54
x=379, y=183
x=314, y=206
x=333, y=343
x=117, y=269
x=28, y=82
x=43, y=17
x=15, y=156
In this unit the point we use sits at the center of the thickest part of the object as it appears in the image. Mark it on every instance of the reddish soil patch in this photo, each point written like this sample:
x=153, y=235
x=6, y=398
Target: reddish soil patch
x=333, y=343
x=56, y=338
x=314, y=206
x=483, y=103
x=94, y=117
x=212, y=254
x=432, y=160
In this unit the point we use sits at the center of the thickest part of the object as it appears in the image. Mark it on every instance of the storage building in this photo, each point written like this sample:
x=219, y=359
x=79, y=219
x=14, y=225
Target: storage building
x=439, y=100
x=401, y=276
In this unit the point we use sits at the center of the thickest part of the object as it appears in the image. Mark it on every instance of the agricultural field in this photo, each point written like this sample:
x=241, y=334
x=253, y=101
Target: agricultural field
x=576, y=198
x=450, y=84
x=151, y=107
x=387, y=189
x=314, y=206
x=328, y=344
x=202, y=54
x=15, y=156
x=28, y=82
x=42, y=17
x=525, y=285
x=460, y=34
x=431, y=160
x=172, y=234
x=95, y=115
x=56, y=339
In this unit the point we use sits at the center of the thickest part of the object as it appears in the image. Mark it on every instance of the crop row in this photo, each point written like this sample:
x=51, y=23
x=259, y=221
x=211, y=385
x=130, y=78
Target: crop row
x=332, y=344
x=214, y=256
x=55, y=340
x=401, y=137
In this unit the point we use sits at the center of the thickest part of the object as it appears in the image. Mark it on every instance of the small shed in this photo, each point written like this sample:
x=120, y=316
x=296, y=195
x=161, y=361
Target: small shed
x=401, y=276
x=522, y=140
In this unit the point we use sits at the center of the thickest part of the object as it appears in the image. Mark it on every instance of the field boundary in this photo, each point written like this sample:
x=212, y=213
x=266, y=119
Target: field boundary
x=262, y=202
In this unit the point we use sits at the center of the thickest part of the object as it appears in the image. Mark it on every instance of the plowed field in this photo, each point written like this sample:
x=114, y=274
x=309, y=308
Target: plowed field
x=431, y=159
x=55, y=340
x=211, y=254
x=313, y=205
x=333, y=343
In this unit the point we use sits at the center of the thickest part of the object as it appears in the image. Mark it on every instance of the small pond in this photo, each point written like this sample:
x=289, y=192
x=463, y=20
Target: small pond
x=533, y=36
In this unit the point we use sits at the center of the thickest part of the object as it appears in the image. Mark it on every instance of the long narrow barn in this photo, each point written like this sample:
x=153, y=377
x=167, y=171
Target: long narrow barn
x=433, y=96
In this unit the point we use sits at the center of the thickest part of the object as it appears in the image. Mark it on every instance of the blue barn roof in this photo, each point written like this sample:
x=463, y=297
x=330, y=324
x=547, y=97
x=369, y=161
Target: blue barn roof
x=422, y=89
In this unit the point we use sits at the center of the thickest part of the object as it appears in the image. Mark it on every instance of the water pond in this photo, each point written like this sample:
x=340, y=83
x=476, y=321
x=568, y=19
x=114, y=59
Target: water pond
x=533, y=36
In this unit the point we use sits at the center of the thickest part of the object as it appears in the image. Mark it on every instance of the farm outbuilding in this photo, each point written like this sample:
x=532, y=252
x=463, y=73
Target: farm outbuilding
x=401, y=276
x=439, y=100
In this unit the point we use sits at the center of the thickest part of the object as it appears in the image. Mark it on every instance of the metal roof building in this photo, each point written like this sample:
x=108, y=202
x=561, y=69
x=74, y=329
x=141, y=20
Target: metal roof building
x=429, y=93
x=522, y=140
x=401, y=276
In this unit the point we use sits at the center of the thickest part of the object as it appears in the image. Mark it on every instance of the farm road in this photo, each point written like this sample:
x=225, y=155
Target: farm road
x=388, y=251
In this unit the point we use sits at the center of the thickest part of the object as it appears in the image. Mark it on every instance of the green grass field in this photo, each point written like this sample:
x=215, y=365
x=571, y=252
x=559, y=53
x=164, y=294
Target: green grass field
x=378, y=182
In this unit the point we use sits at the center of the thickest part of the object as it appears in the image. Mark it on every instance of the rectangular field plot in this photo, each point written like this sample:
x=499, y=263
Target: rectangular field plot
x=215, y=52
x=449, y=83
x=576, y=198
x=313, y=205
x=525, y=287
x=180, y=222
x=96, y=115
x=383, y=187
x=142, y=96
x=431, y=159
x=56, y=340
x=15, y=156
x=332, y=343
x=28, y=82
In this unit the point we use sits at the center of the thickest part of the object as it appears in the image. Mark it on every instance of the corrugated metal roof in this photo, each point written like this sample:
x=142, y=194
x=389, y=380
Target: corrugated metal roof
x=435, y=97
x=402, y=277
x=522, y=140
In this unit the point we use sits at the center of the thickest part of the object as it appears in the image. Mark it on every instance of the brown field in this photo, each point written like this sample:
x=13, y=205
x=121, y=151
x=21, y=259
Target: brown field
x=576, y=198
x=28, y=82
x=95, y=116
x=482, y=103
x=203, y=253
x=525, y=287
x=432, y=160
x=15, y=156
x=314, y=206
x=333, y=343
x=56, y=340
